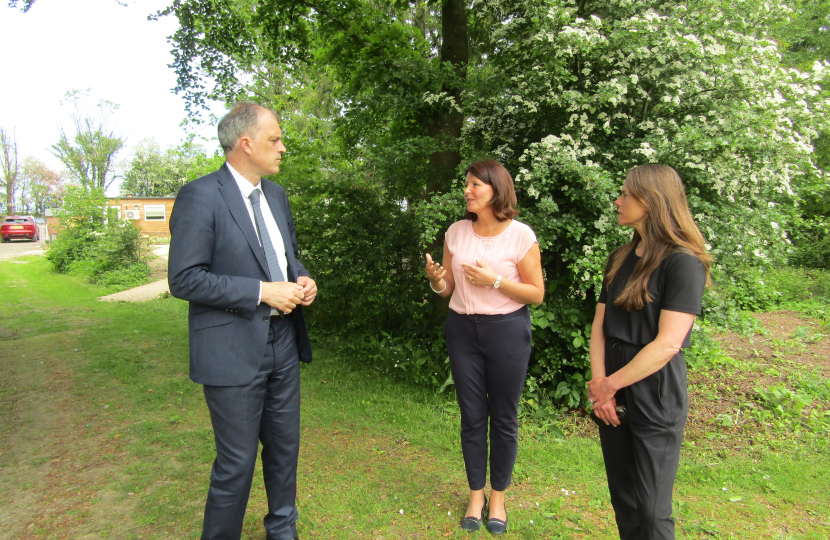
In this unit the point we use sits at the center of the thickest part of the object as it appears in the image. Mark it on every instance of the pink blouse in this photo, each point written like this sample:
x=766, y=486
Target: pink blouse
x=501, y=252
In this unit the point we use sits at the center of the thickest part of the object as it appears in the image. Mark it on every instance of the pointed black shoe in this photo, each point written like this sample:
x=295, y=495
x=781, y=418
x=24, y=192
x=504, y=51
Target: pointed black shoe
x=497, y=526
x=472, y=524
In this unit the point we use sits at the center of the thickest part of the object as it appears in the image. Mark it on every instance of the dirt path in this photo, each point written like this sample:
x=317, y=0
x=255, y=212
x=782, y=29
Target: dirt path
x=54, y=463
x=143, y=293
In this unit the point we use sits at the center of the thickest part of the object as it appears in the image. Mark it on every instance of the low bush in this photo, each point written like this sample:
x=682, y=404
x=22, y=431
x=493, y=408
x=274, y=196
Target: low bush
x=796, y=285
x=96, y=245
x=124, y=277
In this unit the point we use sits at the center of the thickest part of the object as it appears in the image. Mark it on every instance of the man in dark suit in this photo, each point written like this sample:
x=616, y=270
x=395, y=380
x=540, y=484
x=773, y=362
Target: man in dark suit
x=233, y=256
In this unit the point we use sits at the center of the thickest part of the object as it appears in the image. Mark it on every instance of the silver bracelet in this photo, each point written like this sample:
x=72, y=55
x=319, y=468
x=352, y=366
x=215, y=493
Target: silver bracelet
x=442, y=290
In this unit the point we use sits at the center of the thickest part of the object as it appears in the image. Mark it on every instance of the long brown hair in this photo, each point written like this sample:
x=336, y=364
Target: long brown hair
x=493, y=173
x=668, y=226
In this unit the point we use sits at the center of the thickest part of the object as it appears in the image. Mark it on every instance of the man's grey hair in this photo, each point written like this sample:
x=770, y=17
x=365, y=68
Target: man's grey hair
x=243, y=119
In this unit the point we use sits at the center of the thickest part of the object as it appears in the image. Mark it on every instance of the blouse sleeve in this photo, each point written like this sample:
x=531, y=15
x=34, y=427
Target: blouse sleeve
x=449, y=237
x=683, y=284
x=603, y=293
x=526, y=240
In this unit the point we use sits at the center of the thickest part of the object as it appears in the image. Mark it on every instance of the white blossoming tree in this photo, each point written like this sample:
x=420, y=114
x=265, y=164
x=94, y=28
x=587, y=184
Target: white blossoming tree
x=576, y=93
x=568, y=94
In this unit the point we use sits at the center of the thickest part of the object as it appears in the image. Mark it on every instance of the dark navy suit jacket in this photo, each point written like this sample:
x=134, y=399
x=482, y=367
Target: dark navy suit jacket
x=216, y=263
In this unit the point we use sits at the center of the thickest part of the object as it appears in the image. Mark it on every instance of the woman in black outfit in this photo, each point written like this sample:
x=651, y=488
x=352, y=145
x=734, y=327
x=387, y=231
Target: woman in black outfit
x=651, y=292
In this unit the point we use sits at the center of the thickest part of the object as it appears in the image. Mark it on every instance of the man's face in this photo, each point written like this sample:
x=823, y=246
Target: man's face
x=266, y=146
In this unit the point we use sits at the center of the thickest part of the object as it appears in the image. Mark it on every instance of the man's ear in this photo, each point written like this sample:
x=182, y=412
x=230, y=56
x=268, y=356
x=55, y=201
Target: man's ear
x=245, y=144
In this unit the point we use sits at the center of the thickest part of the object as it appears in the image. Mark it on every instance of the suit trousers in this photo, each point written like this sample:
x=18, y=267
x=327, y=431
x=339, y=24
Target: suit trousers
x=642, y=457
x=266, y=410
x=489, y=355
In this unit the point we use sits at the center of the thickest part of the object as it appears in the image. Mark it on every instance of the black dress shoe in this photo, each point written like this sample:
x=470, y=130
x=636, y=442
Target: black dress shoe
x=472, y=524
x=497, y=526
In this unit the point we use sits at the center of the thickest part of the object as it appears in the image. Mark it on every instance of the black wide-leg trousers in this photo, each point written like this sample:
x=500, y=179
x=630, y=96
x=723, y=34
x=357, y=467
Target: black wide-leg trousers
x=266, y=410
x=642, y=457
x=489, y=355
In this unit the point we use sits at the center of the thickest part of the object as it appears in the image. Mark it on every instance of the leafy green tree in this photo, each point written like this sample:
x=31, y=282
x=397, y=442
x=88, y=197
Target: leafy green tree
x=41, y=187
x=199, y=161
x=83, y=218
x=812, y=224
x=398, y=68
x=153, y=172
x=149, y=173
x=805, y=37
x=10, y=167
x=805, y=44
x=568, y=94
x=90, y=152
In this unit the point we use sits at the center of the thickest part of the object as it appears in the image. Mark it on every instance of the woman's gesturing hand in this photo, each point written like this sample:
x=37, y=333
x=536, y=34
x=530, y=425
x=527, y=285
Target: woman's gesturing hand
x=481, y=275
x=435, y=272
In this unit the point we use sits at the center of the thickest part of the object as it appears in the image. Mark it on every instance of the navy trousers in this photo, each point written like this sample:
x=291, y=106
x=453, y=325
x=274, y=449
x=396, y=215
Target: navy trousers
x=489, y=355
x=266, y=410
x=642, y=457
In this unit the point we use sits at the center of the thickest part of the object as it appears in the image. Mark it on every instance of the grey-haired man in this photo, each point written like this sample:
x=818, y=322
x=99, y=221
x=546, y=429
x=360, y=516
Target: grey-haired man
x=233, y=256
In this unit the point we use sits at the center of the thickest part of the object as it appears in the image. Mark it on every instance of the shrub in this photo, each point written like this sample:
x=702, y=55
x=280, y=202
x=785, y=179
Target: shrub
x=96, y=245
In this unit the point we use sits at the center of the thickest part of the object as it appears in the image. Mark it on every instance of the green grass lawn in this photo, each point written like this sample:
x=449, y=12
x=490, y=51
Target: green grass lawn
x=103, y=434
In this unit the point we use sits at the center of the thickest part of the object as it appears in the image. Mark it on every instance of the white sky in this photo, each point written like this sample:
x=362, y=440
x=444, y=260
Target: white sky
x=61, y=45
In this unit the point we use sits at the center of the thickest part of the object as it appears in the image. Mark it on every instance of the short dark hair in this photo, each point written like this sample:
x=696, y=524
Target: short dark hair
x=493, y=173
x=242, y=119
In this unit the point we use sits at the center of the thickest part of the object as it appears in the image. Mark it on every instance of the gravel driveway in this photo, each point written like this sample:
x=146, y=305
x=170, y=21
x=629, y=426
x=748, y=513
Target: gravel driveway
x=19, y=248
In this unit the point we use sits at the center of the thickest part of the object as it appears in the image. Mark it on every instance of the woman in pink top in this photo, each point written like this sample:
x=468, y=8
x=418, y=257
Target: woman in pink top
x=495, y=270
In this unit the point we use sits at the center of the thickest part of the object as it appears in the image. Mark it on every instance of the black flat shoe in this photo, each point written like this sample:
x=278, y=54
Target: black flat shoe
x=497, y=526
x=472, y=524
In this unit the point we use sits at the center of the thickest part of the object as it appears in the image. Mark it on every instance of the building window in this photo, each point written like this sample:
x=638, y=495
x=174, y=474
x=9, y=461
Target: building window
x=154, y=212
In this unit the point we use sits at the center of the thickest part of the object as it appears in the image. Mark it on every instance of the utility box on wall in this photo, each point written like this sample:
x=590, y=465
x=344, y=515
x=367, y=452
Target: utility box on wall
x=150, y=214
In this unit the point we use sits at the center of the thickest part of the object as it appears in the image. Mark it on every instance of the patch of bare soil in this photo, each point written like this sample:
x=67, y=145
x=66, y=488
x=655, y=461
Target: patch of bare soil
x=158, y=268
x=722, y=400
x=53, y=470
x=790, y=326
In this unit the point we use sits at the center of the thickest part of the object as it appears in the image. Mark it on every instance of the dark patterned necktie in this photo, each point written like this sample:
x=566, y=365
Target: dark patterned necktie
x=270, y=252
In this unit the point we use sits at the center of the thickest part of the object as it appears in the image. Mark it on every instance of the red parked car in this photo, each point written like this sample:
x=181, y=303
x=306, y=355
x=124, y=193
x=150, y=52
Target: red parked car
x=19, y=227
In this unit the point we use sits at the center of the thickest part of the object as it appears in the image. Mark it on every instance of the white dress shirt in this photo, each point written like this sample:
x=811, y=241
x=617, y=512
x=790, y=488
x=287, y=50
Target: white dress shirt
x=270, y=223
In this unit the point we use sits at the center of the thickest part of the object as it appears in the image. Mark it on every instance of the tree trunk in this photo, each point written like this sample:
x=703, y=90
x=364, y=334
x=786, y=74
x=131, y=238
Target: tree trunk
x=445, y=126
